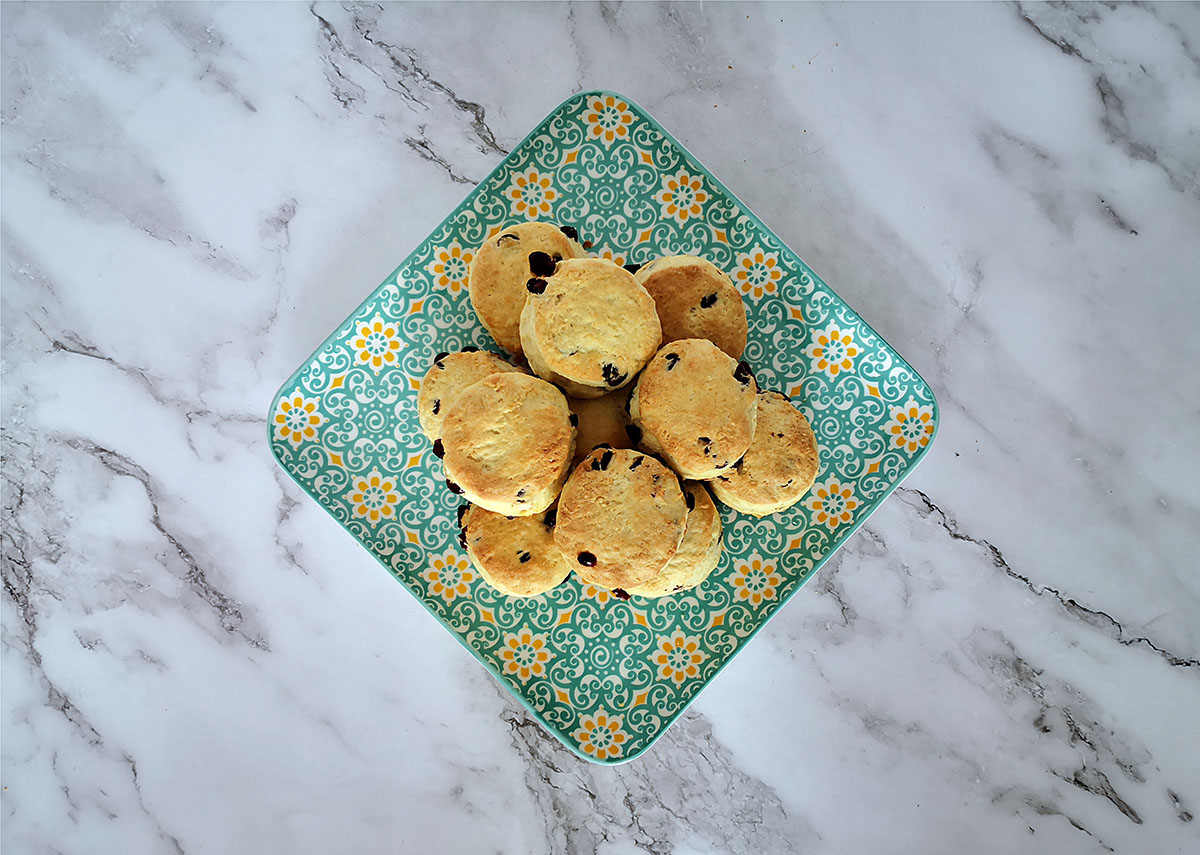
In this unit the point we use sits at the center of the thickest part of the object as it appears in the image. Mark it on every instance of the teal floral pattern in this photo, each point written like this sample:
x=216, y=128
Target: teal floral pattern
x=606, y=676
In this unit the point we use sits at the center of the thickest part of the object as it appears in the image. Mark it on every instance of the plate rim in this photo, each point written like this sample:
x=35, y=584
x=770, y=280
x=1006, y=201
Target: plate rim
x=835, y=545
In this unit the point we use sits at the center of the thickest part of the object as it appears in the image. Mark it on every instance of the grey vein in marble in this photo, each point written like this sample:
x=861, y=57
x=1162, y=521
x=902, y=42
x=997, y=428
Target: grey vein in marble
x=1095, y=618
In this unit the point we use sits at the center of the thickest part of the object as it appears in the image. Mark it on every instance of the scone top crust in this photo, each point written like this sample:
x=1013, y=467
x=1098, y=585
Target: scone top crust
x=508, y=438
x=602, y=420
x=593, y=324
x=517, y=556
x=621, y=517
x=696, y=405
x=699, y=552
x=500, y=270
x=695, y=299
x=449, y=374
x=780, y=465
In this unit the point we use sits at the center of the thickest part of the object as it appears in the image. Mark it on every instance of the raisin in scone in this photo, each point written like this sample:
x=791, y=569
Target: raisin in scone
x=515, y=555
x=696, y=407
x=508, y=443
x=780, y=466
x=621, y=517
x=696, y=300
x=500, y=270
x=449, y=374
x=699, y=552
x=588, y=326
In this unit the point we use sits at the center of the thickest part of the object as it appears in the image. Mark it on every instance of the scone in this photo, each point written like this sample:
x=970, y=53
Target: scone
x=588, y=326
x=696, y=300
x=500, y=270
x=449, y=374
x=508, y=442
x=780, y=466
x=699, y=552
x=515, y=555
x=621, y=517
x=695, y=406
x=602, y=421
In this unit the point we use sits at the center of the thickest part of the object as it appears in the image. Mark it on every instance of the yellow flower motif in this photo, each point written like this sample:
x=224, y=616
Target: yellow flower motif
x=682, y=196
x=755, y=581
x=449, y=576
x=757, y=272
x=607, y=118
x=525, y=654
x=832, y=503
x=600, y=595
x=373, y=496
x=297, y=419
x=832, y=350
x=911, y=426
x=531, y=194
x=609, y=255
x=600, y=735
x=450, y=267
x=376, y=344
x=678, y=657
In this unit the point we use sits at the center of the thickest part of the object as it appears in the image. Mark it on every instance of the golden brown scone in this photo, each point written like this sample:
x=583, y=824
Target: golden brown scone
x=620, y=518
x=500, y=270
x=508, y=442
x=588, y=326
x=695, y=406
x=699, y=552
x=515, y=555
x=601, y=421
x=780, y=466
x=449, y=374
x=696, y=300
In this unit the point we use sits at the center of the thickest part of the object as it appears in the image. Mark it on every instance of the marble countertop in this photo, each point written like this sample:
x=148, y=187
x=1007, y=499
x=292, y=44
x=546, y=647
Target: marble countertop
x=1006, y=658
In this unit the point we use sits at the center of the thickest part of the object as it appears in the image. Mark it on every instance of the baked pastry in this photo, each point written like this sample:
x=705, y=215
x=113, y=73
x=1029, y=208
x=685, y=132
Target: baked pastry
x=699, y=552
x=508, y=443
x=695, y=406
x=602, y=421
x=621, y=517
x=449, y=374
x=780, y=466
x=696, y=300
x=515, y=555
x=500, y=270
x=587, y=325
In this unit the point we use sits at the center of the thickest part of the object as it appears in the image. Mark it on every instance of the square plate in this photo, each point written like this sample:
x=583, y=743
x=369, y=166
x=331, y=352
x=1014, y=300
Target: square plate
x=607, y=677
